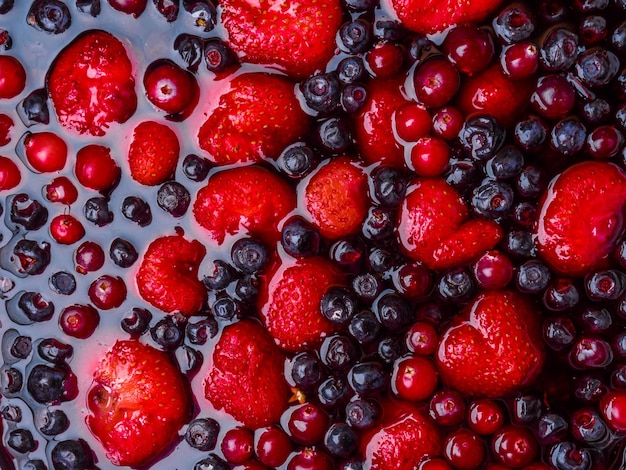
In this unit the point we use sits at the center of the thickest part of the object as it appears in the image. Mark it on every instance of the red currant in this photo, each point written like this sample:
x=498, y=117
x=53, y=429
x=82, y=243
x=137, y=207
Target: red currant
x=447, y=122
x=485, y=416
x=422, y=338
x=171, y=88
x=89, y=256
x=464, y=449
x=412, y=121
x=436, y=81
x=307, y=423
x=493, y=270
x=384, y=59
x=237, y=445
x=514, y=446
x=430, y=156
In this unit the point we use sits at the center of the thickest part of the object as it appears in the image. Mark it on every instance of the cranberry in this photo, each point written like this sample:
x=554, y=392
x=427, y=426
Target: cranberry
x=422, y=338
x=485, y=416
x=447, y=407
x=590, y=353
x=493, y=270
x=12, y=77
x=237, y=445
x=604, y=142
x=413, y=280
x=435, y=463
x=62, y=190
x=514, y=446
x=88, y=257
x=79, y=321
x=66, y=229
x=448, y=122
x=272, y=446
x=307, y=423
x=170, y=88
x=384, y=59
x=469, y=48
x=520, y=61
x=429, y=156
x=613, y=409
x=436, y=81
x=130, y=7
x=6, y=124
x=412, y=121
x=464, y=449
x=95, y=169
x=414, y=378
x=45, y=152
x=553, y=97
x=107, y=292
x=310, y=459
x=10, y=174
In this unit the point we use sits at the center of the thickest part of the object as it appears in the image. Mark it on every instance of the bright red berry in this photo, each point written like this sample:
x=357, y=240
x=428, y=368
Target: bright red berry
x=493, y=270
x=79, y=321
x=414, y=378
x=514, y=446
x=422, y=338
x=448, y=122
x=171, y=88
x=307, y=423
x=485, y=416
x=435, y=81
x=88, y=257
x=429, y=156
x=62, y=190
x=272, y=446
x=10, y=174
x=384, y=59
x=412, y=121
x=464, y=449
x=237, y=445
x=6, y=124
x=66, y=229
x=12, y=77
x=153, y=153
x=45, y=151
x=107, y=292
x=95, y=168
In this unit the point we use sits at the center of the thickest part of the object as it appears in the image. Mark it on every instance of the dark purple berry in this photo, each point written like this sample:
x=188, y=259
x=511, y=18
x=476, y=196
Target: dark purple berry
x=531, y=134
x=305, y=370
x=389, y=186
x=97, y=211
x=559, y=332
x=218, y=56
x=338, y=305
x=513, y=24
x=201, y=331
x=50, y=16
x=482, y=136
x=353, y=97
x=597, y=67
x=333, y=135
x=191, y=50
x=368, y=378
x=506, y=164
x=322, y=93
x=136, y=209
x=28, y=213
x=203, y=13
x=338, y=353
x=21, y=441
x=196, y=168
x=333, y=391
x=34, y=108
x=351, y=70
x=365, y=327
x=54, y=351
x=63, y=283
x=456, y=286
x=249, y=255
x=226, y=308
x=168, y=8
x=533, y=277
x=72, y=455
x=297, y=160
x=91, y=7
x=173, y=198
x=123, y=253
x=340, y=440
x=559, y=50
x=167, y=334
x=356, y=36
x=568, y=136
x=562, y=294
x=137, y=321
x=202, y=434
x=492, y=199
x=605, y=285
x=29, y=258
x=362, y=414
x=52, y=422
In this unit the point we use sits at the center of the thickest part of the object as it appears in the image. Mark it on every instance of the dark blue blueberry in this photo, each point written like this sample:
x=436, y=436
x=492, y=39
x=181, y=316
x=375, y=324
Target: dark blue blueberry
x=201, y=331
x=220, y=274
x=35, y=464
x=532, y=181
x=50, y=16
x=562, y=294
x=203, y=13
x=249, y=255
x=589, y=388
x=91, y=7
x=226, y=308
x=597, y=67
x=333, y=391
x=202, y=434
x=11, y=381
x=366, y=286
x=390, y=349
x=334, y=135
x=513, y=24
x=123, y=253
x=362, y=414
x=550, y=428
x=608, y=284
x=493, y=199
x=525, y=213
x=322, y=92
x=379, y=224
x=34, y=108
x=526, y=409
x=506, y=164
x=360, y=5
x=306, y=370
x=482, y=136
x=389, y=186
x=351, y=70
x=30, y=258
x=353, y=97
x=54, y=351
x=382, y=261
x=35, y=307
x=338, y=352
x=365, y=327
x=593, y=29
x=167, y=333
x=389, y=30
x=191, y=50
x=46, y=384
x=463, y=174
x=188, y=359
x=596, y=320
x=168, y=8
x=12, y=413
x=27, y=212
x=421, y=48
x=456, y=286
x=136, y=209
x=567, y=456
x=356, y=36
x=218, y=56
x=347, y=253
x=137, y=321
x=533, y=277
x=247, y=288
x=297, y=160
x=173, y=198
x=519, y=243
x=393, y=311
x=6, y=6
x=531, y=134
x=559, y=50
x=559, y=332
x=63, y=283
x=212, y=462
x=588, y=426
x=340, y=440
x=21, y=440
x=618, y=39
x=21, y=347
x=72, y=455
x=597, y=111
x=196, y=168
x=52, y=422
x=338, y=305
x=368, y=378
x=97, y=211
x=568, y=136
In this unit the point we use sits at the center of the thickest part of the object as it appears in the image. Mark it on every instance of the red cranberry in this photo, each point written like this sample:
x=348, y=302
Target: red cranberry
x=250, y=465
x=89, y=256
x=520, y=60
x=613, y=408
x=273, y=447
x=66, y=230
x=12, y=77
x=412, y=121
x=307, y=424
x=464, y=449
x=95, y=169
x=430, y=156
x=10, y=174
x=6, y=124
x=436, y=81
x=448, y=122
x=414, y=378
x=107, y=292
x=590, y=353
x=493, y=270
x=45, y=152
x=469, y=48
x=604, y=142
x=384, y=59
x=422, y=338
x=237, y=445
x=485, y=416
x=61, y=190
x=514, y=446
x=310, y=459
x=434, y=464
x=447, y=408
x=130, y=7
x=553, y=97
x=79, y=321
x=171, y=88
x=413, y=280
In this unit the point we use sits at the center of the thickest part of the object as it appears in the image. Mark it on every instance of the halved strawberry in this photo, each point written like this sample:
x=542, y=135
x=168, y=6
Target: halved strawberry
x=168, y=275
x=138, y=402
x=289, y=301
x=246, y=377
x=256, y=119
x=581, y=217
x=153, y=153
x=494, y=346
x=250, y=198
x=296, y=36
x=91, y=83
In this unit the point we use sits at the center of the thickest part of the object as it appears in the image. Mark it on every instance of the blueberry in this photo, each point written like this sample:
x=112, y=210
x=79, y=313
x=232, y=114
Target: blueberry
x=340, y=440
x=550, y=428
x=201, y=331
x=393, y=311
x=173, y=198
x=382, y=261
x=525, y=213
x=54, y=351
x=34, y=108
x=21, y=440
x=6, y=6
x=35, y=464
x=91, y=7
x=218, y=56
x=589, y=388
x=333, y=135
x=389, y=186
x=568, y=136
x=588, y=426
x=247, y=288
x=196, y=168
x=297, y=160
x=596, y=320
x=559, y=50
x=333, y=391
x=618, y=39
x=212, y=462
x=299, y=238
x=136, y=209
x=389, y=30
x=351, y=70
x=482, y=136
x=202, y=434
x=462, y=174
x=368, y=378
x=561, y=295
x=513, y=24
x=567, y=456
x=597, y=111
x=35, y=307
x=306, y=370
x=597, y=67
x=167, y=334
x=379, y=224
x=220, y=274
x=347, y=253
x=533, y=277
x=338, y=353
x=63, y=283
x=390, y=349
x=559, y=332
x=356, y=36
x=353, y=97
x=531, y=134
x=366, y=286
x=123, y=253
x=249, y=255
x=11, y=381
x=168, y=8
x=226, y=308
x=12, y=413
x=97, y=211
x=338, y=305
x=532, y=181
x=50, y=16
x=492, y=199
x=203, y=13
x=526, y=409
x=46, y=384
x=352, y=464
x=27, y=212
x=362, y=414
x=30, y=258
x=321, y=93
x=191, y=50
x=421, y=48
x=359, y=5
x=72, y=455
x=456, y=286
x=21, y=347
x=52, y=422
x=365, y=327
x=506, y=164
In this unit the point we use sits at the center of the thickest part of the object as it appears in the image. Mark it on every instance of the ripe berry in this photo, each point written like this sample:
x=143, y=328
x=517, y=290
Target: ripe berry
x=79, y=321
x=597, y=67
x=173, y=198
x=412, y=121
x=533, y=277
x=12, y=77
x=429, y=156
x=588, y=426
x=514, y=446
x=191, y=49
x=27, y=212
x=363, y=414
x=604, y=142
x=448, y=122
x=436, y=81
x=384, y=59
x=48, y=384
x=88, y=257
x=513, y=24
x=237, y=445
x=493, y=270
x=34, y=108
x=45, y=152
x=66, y=229
x=95, y=168
x=272, y=446
x=559, y=49
x=413, y=280
x=61, y=190
x=170, y=88
x=10, y=174
x=310, y=459
x=6, y=124
x=218, y=57
x=305, y=370
x=307, y=424
x=469, y=48
x=368, y=378
x=561, y=294
x=365, y=327
x=53, y=422
x=485, y=416
x=447, y=407
x=196, y=168
x=300, y=238
x=21, y=440
x=72, y=454
x=123, y=253
x=167, y=333
x=608, y=284
x=422, y=338
x=107, y=292
x=520, y=61
x=130, y=7
x=136, y=209
x=493, y=199
x=414, y=378
x=338, y=305
x=353, y=97
x=249, y=255
x=137, y=321
x=351, y=70
x=355, y=36
x=389, y=186
x=62, y=283
x=340, y=440
x=50, y=16
x=97, y=211
x=322, y=93
x=553, y=97
x=202, y=434
x=482, y=136
x=613, y=409
x=464, y=449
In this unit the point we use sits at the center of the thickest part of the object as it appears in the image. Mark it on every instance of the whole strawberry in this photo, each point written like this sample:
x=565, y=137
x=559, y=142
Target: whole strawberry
x=255, y=120
x=289, y=301
x=246, y=378
x=250, y=198
x=138, y=402
x=581, y=217
x=494, y=346
x=168, y=275
x=91, y=84
x=296, y=36
x=153, y=153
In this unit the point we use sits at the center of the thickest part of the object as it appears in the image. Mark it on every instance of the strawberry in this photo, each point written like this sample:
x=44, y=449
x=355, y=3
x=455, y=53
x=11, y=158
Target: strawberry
x=434, y=226
x=256, y=119
x=138, y=402
x=581, y=217
x=168, y=275
x=434, y=16
x=333, y=198
x=295, y=36
x=404, y=438
x=374, y=123
x=246, y=377
x=252, y=198
x=91, y=84
x=494, y=346
x=289, y=301
x=153, y=153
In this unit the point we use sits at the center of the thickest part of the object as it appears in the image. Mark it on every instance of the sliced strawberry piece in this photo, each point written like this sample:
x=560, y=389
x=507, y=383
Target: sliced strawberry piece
x=153, y=153
x=256, y=119
x=289, y=301
x=168, y=275
x=434, y=226
x=334, y=198
x=293, y=35
x=91, y=84
x=494, y=346
x=246, y=376
x=251, y=198
x=374, y=123
x=138, y=402
x=581, y=217
x=434, y=16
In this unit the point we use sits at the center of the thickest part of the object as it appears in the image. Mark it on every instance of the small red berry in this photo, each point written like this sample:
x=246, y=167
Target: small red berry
x=273, y=447
x=485, y=416
x=520, y=61
x=307, y=424
x=464, y=449
x=95, y=169
x=447, y=408
x=62, y=190
x=514, y=446
x=613, y=408
x=413, y=280
x=414, y=378
x=171, y=88
x=412, y=121
x=310, y=459
x=12, y=77
x=10, y=174
x=65, y=229
x=107, y=292
x=493, y=270
x=130, y=7
x=45, y=152
x=422, y=338
x=429, y=156
x=384, y=59
x=436, y=81
x=79, y=321
x=434, y=464
x=89, y=256
x=237, y=445
x=447, y=122
x=604, y=142
x=6, y=124
x=469, y=48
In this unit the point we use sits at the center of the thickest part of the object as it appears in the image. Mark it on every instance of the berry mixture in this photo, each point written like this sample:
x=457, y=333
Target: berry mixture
x=313, y=235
